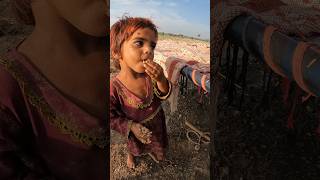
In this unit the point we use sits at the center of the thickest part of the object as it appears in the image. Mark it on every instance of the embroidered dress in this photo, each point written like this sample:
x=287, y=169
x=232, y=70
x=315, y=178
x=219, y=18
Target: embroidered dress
x=43, y=134
x=126, y=107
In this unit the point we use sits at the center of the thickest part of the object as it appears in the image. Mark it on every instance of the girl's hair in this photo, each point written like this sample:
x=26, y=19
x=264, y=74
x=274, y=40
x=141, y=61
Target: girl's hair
x=23, y=11
x=123, y=30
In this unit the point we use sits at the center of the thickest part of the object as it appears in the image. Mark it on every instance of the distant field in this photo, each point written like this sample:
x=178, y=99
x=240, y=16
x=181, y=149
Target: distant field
x=183, y=47
x=164, y=36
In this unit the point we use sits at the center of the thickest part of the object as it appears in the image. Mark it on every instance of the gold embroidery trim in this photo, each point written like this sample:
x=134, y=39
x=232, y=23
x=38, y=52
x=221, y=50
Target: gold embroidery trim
x=133, y=103
x=151, y=116
x=129, y=127
x=91, y=138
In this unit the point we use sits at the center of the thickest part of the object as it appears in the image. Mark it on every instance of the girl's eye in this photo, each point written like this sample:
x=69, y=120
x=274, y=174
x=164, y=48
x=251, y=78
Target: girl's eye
x=138, y=43
x=153, y=46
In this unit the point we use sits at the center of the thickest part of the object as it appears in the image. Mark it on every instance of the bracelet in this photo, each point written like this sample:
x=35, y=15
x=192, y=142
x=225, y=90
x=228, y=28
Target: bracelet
x=158, y=94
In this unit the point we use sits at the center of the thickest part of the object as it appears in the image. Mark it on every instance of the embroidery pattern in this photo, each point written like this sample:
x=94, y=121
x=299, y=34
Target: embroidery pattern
x=93, y=137
x=133, y=103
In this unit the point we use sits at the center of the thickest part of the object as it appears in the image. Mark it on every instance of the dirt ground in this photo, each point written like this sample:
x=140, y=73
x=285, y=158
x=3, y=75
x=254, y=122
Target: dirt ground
x=182, y=162
x=253, y=142
x=10, y=31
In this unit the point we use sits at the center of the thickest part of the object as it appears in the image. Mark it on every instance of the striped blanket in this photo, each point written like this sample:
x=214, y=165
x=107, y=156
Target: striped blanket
x=299, y=18
x=174, y=55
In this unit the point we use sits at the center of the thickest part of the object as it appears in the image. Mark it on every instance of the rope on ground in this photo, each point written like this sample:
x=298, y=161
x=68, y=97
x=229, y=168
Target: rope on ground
x=203, y=137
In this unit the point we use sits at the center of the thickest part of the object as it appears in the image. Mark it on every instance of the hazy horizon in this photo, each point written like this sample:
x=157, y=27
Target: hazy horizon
x=186, y=17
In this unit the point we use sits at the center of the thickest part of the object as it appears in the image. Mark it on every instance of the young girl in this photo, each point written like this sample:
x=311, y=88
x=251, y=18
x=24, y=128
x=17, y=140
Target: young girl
x=136, y=92
x=53, y=93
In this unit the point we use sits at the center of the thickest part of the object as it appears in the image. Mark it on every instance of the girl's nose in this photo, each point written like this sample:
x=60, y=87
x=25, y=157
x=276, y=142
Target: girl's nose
x=147, y=50
x=148, y=53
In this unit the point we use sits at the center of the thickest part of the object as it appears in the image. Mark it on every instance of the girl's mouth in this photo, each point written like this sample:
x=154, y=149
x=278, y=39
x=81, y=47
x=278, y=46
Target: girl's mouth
x=144, y=61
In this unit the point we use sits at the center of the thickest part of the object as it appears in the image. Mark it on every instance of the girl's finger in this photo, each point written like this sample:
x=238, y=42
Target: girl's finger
x=144, y=130
x=153, y=65
x=148, y=67
x=148, y=135
x=156, y=71
x=150, y=74
x=156, y=66
x=147, y=141
x=144, y=140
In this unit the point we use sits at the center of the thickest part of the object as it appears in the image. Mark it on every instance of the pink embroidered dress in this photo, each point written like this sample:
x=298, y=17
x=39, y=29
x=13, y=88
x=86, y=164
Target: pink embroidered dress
x=126, y=107
x=43, y=135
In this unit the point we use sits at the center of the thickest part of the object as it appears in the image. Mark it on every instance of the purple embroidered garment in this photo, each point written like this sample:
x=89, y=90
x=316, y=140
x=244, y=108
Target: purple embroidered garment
x=43, y=134
x=124, y=107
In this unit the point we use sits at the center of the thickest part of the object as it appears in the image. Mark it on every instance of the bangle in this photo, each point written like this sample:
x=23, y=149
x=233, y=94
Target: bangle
x=158, y=94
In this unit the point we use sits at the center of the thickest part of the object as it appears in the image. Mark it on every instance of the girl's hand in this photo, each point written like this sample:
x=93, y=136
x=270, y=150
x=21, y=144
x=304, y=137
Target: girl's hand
x=141, y=133
x=154, y=70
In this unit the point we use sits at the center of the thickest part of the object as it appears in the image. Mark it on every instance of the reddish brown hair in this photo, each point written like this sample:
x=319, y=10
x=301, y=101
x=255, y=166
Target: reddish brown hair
x=23, y=12
x=123, y=30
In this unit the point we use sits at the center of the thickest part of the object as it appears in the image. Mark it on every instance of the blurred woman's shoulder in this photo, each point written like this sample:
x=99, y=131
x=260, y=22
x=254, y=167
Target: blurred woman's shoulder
x=8, y=77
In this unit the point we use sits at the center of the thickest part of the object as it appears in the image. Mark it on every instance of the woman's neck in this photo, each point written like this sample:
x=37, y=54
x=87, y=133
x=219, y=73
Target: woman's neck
x=57, y=40
x=72, y=61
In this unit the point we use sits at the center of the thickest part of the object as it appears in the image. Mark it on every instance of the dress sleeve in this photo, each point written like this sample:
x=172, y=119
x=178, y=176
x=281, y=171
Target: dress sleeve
x=14, y=161
x=118, y=120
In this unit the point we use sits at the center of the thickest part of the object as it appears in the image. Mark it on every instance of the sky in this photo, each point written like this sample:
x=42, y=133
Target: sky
x=187, y=17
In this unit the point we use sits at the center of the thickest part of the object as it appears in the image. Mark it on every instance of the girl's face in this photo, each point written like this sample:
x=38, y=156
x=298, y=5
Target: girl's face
x=88, y=16
x=138, y=48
